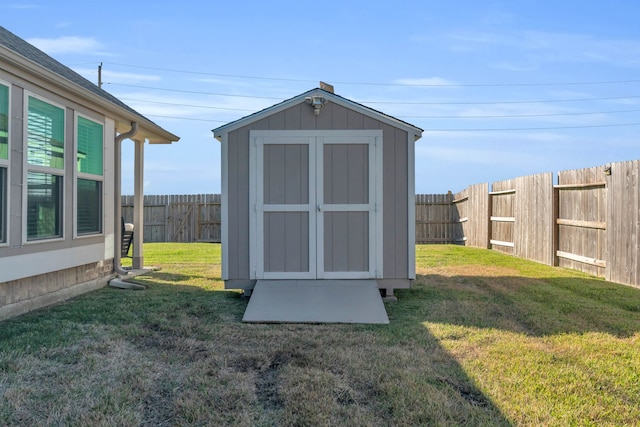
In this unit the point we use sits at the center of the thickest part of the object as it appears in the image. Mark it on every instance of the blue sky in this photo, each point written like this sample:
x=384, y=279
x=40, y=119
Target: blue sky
x=501, y=88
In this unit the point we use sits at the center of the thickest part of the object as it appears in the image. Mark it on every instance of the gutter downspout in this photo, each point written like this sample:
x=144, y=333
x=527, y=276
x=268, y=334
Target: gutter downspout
x=117, y=199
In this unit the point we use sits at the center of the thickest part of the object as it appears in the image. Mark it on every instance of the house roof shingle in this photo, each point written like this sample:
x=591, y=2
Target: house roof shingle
x=34, y=55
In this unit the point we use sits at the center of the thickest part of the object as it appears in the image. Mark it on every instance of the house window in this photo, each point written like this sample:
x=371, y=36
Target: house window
x=46, y=135
x=4, y=158
x=89, y=210
x=45, y=169
x=44, y=206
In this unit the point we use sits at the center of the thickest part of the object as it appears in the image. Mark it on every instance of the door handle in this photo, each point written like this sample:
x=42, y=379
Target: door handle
x=319, y=208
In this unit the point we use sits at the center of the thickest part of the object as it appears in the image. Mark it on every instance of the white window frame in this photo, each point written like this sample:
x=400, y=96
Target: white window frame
x=6, y=164
x=27, y=167
x=87, y=176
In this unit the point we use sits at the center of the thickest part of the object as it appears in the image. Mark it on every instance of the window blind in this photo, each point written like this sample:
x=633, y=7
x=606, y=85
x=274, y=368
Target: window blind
x=90, y=135
x=44, y=206
x=45, y=128
x=89, y=211
x=4, y=122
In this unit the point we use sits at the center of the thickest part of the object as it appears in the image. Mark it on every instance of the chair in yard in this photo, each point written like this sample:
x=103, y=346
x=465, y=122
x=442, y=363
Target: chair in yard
x=127, y=238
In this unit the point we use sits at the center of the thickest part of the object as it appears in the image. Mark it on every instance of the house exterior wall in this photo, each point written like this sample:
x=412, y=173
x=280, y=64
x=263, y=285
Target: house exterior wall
x=332, y=117
x=30, y=270
x=23, y=295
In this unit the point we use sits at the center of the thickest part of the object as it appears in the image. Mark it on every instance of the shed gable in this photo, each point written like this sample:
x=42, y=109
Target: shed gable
x=337, y=114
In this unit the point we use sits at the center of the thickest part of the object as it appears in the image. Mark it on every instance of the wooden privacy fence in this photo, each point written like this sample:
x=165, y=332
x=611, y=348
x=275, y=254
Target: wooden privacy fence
x=178, y=218
x=588, y=221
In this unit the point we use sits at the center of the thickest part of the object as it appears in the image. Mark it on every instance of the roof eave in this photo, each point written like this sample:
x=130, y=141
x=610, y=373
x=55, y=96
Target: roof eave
x=229, y=127
x=148, y=130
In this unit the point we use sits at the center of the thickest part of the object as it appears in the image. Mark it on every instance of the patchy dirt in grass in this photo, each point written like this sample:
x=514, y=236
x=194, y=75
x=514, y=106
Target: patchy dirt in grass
x=179, y=354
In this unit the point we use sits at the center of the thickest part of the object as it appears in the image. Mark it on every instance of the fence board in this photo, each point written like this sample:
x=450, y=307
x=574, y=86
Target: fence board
x=476, y=228
x=503, y=198
x=435, y=222
x=623, y=221
x=534, y=224
x=582, y=198
x=178, y=218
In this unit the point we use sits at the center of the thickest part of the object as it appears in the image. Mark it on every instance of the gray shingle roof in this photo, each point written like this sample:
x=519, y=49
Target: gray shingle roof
x=30, y=52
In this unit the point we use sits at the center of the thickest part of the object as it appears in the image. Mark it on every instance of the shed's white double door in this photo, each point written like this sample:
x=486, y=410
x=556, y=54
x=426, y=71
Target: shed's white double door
x=315, y=204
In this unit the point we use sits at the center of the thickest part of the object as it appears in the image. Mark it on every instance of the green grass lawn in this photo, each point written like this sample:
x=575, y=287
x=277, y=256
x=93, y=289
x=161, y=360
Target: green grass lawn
x=481, y=339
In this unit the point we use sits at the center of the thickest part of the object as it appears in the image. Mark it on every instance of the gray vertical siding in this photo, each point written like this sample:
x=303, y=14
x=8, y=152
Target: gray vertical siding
x=286, y=174
x=395, y=215
x=346, y=174
x=346, y=241
x=286, y=241
x=238, y=183
x=346, y=181
x=333, y=116
x=286, y=181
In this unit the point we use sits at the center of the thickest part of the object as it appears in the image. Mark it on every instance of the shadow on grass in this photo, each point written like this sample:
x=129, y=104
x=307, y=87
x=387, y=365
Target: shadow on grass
x=517, y=305
x=163, y=301
x=535, y=307
x=401, y=373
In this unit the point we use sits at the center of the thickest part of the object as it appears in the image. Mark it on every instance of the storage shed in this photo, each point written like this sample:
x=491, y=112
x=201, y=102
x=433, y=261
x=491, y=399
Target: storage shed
x=318, y=191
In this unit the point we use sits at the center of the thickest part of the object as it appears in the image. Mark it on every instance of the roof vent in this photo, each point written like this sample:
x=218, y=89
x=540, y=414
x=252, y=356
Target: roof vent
x=327, y=87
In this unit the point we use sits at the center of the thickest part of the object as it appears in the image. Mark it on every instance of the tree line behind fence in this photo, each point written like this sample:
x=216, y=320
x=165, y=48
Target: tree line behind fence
x=588, y=221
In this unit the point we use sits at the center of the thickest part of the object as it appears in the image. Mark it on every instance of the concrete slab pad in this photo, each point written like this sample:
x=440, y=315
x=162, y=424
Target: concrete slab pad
x=316, y=301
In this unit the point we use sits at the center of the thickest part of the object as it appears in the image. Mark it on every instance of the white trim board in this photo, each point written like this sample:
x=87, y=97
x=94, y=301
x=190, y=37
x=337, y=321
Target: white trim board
x=411, y=206
x=27, y=265
x=316, y=140
x=224, y=200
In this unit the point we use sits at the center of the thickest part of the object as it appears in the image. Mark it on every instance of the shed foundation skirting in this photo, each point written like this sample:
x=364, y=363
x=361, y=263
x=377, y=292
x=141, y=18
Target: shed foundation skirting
x=31, y=293
x=388, y=285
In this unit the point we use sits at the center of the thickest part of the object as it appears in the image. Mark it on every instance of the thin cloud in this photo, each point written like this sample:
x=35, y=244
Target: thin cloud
x=539, y=47
x=68, y=44
x=118, y=77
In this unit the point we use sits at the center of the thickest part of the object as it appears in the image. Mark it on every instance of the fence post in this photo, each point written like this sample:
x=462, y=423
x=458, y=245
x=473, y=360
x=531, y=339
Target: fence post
x=555, y=211
x=489, y=214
